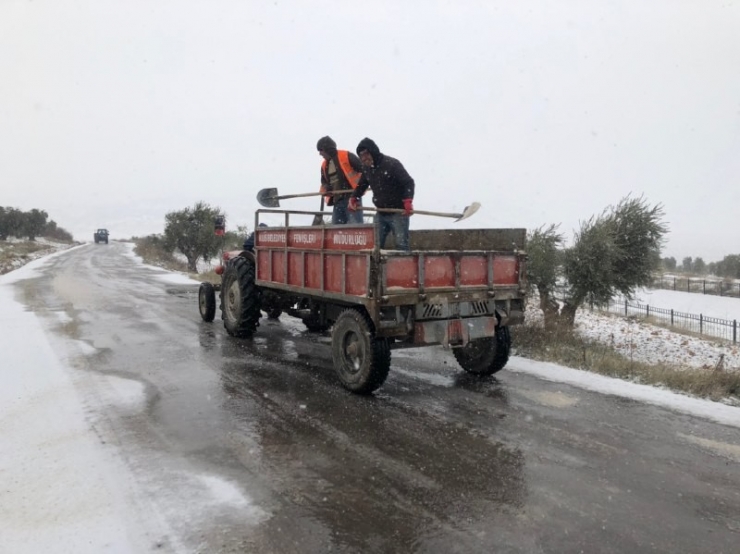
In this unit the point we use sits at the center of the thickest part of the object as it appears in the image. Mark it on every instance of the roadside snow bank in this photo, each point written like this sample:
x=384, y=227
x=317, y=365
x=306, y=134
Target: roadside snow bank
x=13, y=257
x=721, y=413
x=60, y=491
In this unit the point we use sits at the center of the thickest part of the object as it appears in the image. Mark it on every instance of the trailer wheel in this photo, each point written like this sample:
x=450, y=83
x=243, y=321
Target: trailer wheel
x=314, y=325
x=240, y=298
x=485, y=356
x=207, y=302
x=361, y=360
x=274, y=313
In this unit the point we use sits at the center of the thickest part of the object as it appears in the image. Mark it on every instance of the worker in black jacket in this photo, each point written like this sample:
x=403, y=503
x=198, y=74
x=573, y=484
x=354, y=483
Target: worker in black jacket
x=392, y=187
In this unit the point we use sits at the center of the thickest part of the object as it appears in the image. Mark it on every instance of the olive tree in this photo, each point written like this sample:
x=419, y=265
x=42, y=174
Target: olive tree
x=544, y=260
x=191, y=232
x=700, y=266
x=729, y=266
x=612, y=253
x=11, y=222
x=34, y=223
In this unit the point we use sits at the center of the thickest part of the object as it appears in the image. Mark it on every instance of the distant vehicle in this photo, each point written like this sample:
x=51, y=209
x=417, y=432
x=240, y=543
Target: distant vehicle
x=101, y=235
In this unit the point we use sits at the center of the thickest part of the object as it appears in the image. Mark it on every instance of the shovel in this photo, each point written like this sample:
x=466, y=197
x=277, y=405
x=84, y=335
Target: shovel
x=466, y=213
x=269, y=198
x=319, y=219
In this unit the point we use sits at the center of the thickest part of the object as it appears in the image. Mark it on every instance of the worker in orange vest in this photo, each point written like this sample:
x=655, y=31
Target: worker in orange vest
x=340, y=174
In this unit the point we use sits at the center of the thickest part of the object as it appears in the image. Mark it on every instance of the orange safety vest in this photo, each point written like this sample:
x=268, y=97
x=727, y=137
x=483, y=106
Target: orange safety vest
x=352, y=175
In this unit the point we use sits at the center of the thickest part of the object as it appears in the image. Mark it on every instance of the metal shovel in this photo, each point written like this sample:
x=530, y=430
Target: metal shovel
x=466, y=213
x=269, y=198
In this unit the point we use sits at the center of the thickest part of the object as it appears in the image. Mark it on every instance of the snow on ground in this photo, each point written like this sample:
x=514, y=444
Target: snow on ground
x=727, y=415
x=722, y=307
x=202, y=265
x=60, y=489
x=695, y=278
x=643, y=342
x=173, y=277
x=10, y=249
x=63, y=492
x=640, y=341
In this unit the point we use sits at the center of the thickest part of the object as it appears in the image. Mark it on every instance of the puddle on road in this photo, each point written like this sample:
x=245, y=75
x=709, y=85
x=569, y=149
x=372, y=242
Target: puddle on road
x=550, y=399
x=431, y=378
x=121, y=392
x=725, y=449
x=76, y=293
x=187, y=293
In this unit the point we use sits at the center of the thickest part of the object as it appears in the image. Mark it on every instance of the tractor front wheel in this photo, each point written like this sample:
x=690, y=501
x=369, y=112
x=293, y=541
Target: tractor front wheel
x=207, y=302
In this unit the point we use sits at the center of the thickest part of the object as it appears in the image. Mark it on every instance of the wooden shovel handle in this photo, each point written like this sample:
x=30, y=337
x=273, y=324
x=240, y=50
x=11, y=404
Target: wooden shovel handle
x=304, y=194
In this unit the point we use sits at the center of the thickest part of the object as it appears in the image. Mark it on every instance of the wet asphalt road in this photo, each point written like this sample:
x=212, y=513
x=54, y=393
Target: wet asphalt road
x=253, y=446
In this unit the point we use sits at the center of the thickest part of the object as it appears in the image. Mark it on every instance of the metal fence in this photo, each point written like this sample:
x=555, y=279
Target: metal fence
x=703, y=325
x=703, y=286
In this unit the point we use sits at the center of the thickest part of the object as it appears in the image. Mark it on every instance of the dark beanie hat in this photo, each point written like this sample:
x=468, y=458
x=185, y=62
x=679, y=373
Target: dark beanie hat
x=370, y=146
x=327, y=144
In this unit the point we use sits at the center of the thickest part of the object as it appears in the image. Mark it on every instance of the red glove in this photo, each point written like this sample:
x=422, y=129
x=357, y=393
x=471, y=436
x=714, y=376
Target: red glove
x=352, y=204
x=408, y=206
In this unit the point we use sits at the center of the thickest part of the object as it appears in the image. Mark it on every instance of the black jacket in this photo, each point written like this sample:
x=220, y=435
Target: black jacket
x=389, y=180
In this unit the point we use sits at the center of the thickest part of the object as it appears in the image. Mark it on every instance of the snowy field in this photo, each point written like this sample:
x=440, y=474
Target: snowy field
x=710, y=316
x=640, y=341
x=694, y=303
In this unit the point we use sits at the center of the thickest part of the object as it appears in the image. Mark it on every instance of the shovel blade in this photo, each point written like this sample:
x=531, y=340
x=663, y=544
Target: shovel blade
x=268, y=198
x=468, y=211
x=317, y=220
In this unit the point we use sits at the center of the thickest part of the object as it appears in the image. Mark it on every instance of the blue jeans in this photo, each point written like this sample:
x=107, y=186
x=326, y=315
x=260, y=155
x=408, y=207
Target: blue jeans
x=342, y=213
x=396, y=223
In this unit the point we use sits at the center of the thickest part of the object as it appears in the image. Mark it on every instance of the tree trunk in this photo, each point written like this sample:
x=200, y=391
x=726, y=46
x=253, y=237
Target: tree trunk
x=570, y=307
x=568, y=314
x=550, y=309
x=192, y=264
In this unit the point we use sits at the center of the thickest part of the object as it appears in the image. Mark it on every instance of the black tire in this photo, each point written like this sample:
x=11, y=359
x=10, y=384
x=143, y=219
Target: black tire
x=207, y=302
x=106, y=241
x=314, y=325
x=361, y=360
x=240, y=298
x=274, y=313
x=485, y=356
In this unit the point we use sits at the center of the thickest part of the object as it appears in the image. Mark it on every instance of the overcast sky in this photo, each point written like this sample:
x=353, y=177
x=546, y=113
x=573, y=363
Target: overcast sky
x=113, y=113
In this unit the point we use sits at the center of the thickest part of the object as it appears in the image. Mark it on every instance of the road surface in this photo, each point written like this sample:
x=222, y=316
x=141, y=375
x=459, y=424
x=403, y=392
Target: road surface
x=234, y=445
